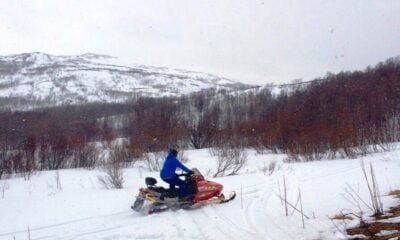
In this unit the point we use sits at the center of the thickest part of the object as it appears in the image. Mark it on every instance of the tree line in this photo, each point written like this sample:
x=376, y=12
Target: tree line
x=342, y=114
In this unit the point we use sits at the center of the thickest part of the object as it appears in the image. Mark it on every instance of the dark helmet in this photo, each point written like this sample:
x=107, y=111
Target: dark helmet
x=173, y=151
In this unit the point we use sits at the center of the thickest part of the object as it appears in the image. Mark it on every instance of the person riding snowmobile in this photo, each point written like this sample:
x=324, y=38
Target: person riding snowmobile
x=168, y=175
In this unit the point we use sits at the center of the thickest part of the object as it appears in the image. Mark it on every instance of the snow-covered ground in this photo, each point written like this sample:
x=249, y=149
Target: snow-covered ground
x=82, y=209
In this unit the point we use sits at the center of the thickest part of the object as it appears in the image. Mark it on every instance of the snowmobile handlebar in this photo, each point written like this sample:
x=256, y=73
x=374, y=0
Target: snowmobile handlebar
x=185, y=174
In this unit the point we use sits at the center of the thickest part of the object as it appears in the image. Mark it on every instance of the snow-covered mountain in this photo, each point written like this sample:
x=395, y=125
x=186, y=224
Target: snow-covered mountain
x=43, y=79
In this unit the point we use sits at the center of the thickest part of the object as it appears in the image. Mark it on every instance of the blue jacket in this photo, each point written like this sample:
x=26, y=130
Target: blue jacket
x=170, y=165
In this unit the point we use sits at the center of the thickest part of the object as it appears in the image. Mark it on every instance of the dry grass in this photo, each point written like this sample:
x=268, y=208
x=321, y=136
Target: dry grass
x=395, y=193
x=373, y=228
x=342, y=217
x=395, y=211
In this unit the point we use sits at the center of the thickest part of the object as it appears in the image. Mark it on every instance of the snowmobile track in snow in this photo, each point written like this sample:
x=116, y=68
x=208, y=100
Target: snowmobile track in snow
x=227, y=231
x=257, y=206
x=62, y=224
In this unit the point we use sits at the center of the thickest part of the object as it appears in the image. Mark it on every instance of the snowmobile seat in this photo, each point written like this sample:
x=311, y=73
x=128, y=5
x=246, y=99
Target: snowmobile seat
x=158, y=189
x=170, y=193
x=150, y=181
x=165, y=192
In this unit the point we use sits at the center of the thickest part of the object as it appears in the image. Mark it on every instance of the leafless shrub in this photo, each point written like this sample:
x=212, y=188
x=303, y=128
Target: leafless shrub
x=264, y=168
x=86, y=156
x=124, y=153
x=135, y=148
x=209, y=173
x=154, y=160
x=362, y=221
x=27, y=174
x=213, y=151
x=132, y=154
x=54, y=184
x=4, y=186
x=229, y=161
x=121, y=153
x=58, y=181
x=259, y=148
x=305, y=157
x=27, y=166
x=270, y=168
x=4, y=160
x=345, y=216
x=353, y=197
x=291, y=158
x=92, y=156
x=113, y=168
x=108, y=136
x=373, y=188
x=239, y=156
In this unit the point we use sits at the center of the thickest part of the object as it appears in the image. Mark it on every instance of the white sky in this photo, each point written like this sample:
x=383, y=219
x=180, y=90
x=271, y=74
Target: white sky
x=250, y=41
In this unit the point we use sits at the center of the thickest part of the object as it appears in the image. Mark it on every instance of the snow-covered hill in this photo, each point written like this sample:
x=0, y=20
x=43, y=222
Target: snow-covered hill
x=79, y=208
x=54, y=80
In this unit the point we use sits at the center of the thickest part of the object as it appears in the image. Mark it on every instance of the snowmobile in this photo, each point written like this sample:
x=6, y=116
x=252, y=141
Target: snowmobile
x=201, y=192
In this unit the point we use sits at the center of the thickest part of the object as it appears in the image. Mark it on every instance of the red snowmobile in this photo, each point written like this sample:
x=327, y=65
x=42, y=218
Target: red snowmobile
x=201, y=192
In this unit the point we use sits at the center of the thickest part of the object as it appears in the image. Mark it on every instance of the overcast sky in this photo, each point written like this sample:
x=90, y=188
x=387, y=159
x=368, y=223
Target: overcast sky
x=250, y=41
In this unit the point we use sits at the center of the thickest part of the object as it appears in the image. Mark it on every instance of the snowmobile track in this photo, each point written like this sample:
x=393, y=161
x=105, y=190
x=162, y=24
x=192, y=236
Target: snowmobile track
x=232, y=222
x=193, y=226
x=217, y=226
x=225, y=224
x=62, y=224
x=275, y=225
x=250, y=215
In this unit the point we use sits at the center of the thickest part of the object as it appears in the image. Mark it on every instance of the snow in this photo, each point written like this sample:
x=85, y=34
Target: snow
x=82, y=209
x=391, y=220
x=386, y=232
x=92, y=77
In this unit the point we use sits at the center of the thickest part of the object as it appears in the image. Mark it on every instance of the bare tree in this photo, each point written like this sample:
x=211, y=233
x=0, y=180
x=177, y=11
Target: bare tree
x=154, y=160
x=201, y=119
x=4, y=186
x=113, y=168
x=229, y=161
x=86, y=155
x=5, y=163
x=91, y=154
